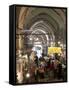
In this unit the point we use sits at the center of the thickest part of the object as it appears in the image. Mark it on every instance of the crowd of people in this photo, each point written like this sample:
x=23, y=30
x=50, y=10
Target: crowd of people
x=45, y=69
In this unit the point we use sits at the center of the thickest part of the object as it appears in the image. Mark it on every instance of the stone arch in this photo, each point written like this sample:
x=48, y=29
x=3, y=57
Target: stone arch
x=54, y=18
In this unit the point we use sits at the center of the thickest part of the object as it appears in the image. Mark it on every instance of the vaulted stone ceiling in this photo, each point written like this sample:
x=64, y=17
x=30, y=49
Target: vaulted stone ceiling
x=50, y=20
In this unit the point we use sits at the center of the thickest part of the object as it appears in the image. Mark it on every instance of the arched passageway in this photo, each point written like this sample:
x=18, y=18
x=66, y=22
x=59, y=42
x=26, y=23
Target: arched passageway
x=37, y=29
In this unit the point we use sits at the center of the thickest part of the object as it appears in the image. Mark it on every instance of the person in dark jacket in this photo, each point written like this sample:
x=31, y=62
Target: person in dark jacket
x=59, y=71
